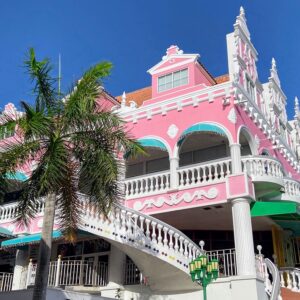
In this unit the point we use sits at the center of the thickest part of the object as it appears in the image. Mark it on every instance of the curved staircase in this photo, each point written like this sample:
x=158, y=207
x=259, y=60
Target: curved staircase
x=160, y=251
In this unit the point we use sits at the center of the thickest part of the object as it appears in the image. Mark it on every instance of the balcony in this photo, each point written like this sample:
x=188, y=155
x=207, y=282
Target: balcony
x=266, y=173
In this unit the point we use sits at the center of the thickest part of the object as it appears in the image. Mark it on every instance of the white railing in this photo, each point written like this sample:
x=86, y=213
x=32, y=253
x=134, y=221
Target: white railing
x=136, y=229
x=132, y=274
x=290, y=279
x=269, y=273
x=72, y=273
x=226, y=259
x=204, y=173
x=292, y=187
x=147, y=184
x=262, y=166
x=6, y=281
x=9, y=211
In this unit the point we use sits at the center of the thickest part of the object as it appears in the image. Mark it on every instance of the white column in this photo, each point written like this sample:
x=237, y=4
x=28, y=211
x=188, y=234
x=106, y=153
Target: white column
x=174, y=164
x=243, y=237
x=242, y=226
x=116, y=266
x=19, y=277
x=236, y=163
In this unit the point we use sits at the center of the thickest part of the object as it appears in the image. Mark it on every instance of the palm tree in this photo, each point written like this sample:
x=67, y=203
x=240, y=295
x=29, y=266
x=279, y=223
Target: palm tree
x=75, y=145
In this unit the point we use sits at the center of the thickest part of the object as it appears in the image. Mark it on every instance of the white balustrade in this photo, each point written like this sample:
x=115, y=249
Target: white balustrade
x=269, y=273
x=290, y=279
x=150, y=234
x=148, y=184
x=226, y=259
x=262, y=166
x=6, y=281
x=72, y=273
x=204, y=173
x=291, y=187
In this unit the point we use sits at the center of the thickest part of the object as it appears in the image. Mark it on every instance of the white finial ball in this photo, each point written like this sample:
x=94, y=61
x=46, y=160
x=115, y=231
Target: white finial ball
x=259, y=248
x=202, y=244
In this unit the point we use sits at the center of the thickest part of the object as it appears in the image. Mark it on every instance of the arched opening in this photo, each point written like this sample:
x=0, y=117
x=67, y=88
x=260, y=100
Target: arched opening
x=246, y=142
x=202, y=143
x=155, y=160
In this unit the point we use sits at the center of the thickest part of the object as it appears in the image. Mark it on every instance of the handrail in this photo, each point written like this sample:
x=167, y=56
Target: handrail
x=276, y=279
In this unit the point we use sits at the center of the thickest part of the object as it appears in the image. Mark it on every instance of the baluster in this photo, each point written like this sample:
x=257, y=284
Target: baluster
x=181, y=178
x=209, y=173
x=289, y=282
x=129, y=224
x=165, y=230
x=151, y=184
x=181, y=250
x=134, y=183
x=159, y=239
x=123, y=229
x=147, y=228
x=153, y=224
x=295, y=288
x=221, y=171
x=186, y=252
x=176, y=247
x=190, y=251
x=135, y=218
x=168, y=181
x=142, y=223
x=282, y=282
x=126, y=189
x=193, y=176
x=298, y=277
x=171, y=232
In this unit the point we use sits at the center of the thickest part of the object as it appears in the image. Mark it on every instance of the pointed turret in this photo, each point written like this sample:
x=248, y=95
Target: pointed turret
x=296, y=108
x=123, y=102
x=274, y=72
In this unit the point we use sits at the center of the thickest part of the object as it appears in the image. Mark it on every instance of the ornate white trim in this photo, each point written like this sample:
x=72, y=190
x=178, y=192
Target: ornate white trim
x=172, y=131
x=174, y=199
x=232, y=117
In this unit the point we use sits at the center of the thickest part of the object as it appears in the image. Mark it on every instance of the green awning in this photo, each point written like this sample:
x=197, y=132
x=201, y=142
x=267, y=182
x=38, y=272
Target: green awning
x=150, y=143
x=202, y=127
x=5, y=232
x=28, y=239
x=273, y=208
x=153, y=143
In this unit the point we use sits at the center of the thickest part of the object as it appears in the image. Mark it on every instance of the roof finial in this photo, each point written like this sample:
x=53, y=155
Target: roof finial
x=123, y=102
x=242, y=11
x=296, y=108
x=274, y=67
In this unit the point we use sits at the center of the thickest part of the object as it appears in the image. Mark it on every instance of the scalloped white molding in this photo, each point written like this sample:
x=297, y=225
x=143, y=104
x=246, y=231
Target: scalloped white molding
x=174, y=199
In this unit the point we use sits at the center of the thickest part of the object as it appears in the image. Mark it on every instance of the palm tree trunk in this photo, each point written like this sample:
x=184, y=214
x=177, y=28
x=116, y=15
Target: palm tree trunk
x=41, y=278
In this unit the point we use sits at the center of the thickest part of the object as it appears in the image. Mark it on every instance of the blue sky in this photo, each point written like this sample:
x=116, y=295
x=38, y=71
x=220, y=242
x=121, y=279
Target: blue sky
x=134, y=35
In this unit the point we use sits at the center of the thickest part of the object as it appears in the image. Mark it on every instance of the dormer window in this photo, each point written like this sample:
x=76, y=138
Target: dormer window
x=172, y=80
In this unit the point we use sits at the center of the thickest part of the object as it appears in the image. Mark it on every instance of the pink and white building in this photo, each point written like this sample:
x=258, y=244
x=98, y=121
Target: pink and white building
x=222, y=166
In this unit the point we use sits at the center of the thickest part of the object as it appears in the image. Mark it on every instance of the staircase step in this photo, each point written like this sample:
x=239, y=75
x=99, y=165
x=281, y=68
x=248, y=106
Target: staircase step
x=287, y=294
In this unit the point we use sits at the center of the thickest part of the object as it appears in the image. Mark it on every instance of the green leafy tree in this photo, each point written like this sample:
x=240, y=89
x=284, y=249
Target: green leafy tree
x=75, y=145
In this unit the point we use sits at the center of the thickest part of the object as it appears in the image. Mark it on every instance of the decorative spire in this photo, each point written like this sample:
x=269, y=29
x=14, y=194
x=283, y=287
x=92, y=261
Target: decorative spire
x=123, y=102
x=274, y=67
x=274, y=72
x=296, y=108
x=242, y=12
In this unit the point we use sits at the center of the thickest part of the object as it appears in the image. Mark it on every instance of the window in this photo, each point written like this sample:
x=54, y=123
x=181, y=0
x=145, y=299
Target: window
x=172, y=80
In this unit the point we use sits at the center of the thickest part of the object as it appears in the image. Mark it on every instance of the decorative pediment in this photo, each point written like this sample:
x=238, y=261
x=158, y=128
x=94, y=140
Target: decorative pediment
x=174, y=58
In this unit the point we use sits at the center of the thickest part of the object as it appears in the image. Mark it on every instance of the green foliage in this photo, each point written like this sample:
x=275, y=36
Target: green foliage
x=74, y=142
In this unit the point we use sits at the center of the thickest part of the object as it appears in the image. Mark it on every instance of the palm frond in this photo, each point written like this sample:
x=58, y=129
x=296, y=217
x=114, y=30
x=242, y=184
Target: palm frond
x=68, y=205
x=82, y=99
x=39, y=72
